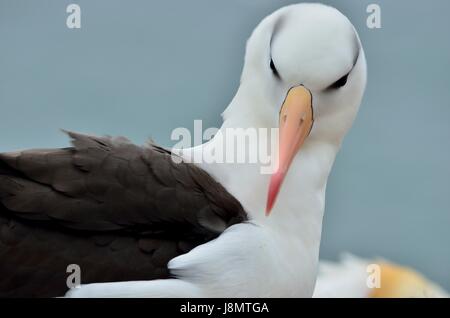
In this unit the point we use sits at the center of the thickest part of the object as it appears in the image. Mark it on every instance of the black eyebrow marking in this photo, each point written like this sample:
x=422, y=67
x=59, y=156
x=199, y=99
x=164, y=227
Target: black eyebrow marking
x=274, y=69
x=343, y=80
x=277, y=26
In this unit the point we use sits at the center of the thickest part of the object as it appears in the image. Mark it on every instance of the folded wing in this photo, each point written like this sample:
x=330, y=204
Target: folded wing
x=119, y=211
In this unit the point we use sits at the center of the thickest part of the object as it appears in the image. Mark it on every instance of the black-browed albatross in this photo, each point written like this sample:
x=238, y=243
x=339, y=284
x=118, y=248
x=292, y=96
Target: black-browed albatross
x=141, y=225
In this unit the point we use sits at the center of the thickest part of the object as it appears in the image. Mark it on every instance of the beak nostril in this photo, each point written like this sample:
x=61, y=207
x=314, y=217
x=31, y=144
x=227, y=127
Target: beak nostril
x=302, y=119
x=284, y=118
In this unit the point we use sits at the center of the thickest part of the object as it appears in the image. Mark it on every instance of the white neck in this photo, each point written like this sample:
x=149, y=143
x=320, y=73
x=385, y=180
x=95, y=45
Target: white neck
x=295, y=224
x=300, y=205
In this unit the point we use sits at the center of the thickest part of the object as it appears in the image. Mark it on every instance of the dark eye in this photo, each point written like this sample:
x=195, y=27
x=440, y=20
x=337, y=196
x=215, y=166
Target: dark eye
x=339, y=83
x=274, y=69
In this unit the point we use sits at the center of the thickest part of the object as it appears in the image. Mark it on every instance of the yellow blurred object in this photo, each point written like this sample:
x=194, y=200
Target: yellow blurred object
x=402, y=282
x=353, y=277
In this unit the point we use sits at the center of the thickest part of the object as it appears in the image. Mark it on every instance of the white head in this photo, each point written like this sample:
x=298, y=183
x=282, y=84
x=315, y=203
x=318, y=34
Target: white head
x=305, y=71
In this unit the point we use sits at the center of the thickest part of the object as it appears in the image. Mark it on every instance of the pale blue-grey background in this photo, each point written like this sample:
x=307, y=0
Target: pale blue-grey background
x=141, y=68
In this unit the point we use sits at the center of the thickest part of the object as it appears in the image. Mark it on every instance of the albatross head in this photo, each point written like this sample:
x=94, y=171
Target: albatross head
x=305, y=72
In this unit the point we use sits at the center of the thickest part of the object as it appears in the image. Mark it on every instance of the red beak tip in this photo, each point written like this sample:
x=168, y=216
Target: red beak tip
x=274, y=188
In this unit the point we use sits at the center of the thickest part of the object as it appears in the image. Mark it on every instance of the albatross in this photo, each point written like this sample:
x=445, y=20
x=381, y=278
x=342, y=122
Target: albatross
x=139, y=224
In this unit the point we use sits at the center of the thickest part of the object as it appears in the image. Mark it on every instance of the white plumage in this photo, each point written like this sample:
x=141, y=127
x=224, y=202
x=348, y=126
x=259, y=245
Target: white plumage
x=277, y=256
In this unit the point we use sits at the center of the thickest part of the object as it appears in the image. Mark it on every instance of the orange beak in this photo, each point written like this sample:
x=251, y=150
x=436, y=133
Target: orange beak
x=296, y=120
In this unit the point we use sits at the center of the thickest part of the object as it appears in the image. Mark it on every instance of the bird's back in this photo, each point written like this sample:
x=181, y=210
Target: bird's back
x=118, y=211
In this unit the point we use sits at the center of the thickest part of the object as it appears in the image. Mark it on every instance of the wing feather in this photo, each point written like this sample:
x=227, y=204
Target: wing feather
x=119, y=211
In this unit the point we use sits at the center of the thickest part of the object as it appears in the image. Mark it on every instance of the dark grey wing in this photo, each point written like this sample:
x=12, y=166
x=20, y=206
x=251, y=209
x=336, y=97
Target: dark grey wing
x=119, y=211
